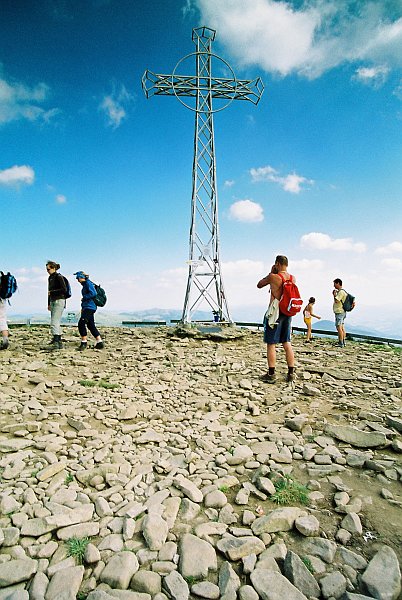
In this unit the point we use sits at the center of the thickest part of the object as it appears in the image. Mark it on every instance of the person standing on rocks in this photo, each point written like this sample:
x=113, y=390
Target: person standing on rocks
x=3, y=324
x=88, y=309
x=277, y=326
x=339, y=295
x=57, y=294
x=307, y=315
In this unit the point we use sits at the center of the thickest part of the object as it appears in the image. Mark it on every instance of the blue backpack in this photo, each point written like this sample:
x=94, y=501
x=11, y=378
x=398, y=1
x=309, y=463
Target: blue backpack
x=8, y=285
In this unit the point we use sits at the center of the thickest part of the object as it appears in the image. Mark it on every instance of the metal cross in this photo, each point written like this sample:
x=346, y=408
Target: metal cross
x=204, y=282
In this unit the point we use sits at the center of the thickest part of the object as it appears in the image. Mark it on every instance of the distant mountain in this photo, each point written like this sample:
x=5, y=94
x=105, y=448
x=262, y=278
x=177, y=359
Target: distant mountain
x=330, y=326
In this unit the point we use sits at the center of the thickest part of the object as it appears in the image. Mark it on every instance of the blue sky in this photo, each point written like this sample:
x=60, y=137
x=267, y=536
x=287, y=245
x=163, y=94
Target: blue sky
x=97, y=177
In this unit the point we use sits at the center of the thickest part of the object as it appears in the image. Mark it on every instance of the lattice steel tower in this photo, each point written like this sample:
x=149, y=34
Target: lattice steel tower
x=204, y=274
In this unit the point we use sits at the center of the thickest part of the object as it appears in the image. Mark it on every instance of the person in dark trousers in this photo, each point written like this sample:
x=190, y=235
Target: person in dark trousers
x=88, y=309
x=56, y=303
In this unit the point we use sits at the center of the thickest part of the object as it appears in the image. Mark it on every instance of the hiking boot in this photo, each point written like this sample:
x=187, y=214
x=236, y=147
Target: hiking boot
x=268, y=378
x=4, y=344
x=340, y=344
x=54, y=344
x=291, y=377
x=82, y=346
x=99, y=345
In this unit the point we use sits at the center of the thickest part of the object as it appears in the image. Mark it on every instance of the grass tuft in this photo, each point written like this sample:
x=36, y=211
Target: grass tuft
x=102, y=383
x=76, y=547
x=289, y=491
x=307, y=563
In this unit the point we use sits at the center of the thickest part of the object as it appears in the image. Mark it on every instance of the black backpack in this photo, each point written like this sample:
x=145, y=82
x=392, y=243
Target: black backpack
x=101, y=298
x=349, y=302
x=67, y=293
x=8, y=285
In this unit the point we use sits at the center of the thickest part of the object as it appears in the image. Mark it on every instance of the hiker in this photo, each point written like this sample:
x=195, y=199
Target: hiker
x=339, y=295
x=3, y=324
x=58, y=292
x=277, y=325
x=88, y=309
x=307, y=315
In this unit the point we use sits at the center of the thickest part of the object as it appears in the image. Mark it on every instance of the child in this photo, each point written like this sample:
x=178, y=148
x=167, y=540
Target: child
x=307, y=314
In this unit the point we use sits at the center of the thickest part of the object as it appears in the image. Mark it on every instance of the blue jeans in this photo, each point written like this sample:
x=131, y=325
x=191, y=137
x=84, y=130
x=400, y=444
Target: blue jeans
x=280, y=333
x=87, y=319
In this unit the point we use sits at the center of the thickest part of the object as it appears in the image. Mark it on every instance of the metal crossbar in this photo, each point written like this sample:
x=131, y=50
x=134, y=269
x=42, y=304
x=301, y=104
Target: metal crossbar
x=204, y=283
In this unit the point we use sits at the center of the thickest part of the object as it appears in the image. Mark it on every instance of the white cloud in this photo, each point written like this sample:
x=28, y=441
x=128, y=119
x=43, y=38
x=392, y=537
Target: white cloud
x=392, y=264
x=18, y=101
x=392, y=248
x=115, y=106
x=306, y=37
x=246, y=211
x=306, y=265
x=61, y=199
x=374, y=76
x=229, y=183
x=17, y=175
x=290, y=183
x=322, y=241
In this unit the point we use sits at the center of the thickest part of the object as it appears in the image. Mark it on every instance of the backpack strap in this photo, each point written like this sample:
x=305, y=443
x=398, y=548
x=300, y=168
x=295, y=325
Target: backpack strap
x=283, y=279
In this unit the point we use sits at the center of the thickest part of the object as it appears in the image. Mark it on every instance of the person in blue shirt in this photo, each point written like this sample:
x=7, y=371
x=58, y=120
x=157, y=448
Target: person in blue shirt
x=88, y=309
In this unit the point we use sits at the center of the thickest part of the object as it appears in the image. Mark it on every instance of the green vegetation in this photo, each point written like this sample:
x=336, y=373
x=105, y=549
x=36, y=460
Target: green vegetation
x=307, y=562
x=81, y=596
x=102, y=383
x=289, y=491
x=191, y=580
x=69, y=478
x=76, y=547
x=224, y=489
x=383, y=348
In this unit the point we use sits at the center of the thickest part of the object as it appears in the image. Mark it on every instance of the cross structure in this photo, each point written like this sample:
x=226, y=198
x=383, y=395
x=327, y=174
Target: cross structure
x=197, y=92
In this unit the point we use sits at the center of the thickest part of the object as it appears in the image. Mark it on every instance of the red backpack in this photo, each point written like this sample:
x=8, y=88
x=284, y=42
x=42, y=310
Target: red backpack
x=290, y=303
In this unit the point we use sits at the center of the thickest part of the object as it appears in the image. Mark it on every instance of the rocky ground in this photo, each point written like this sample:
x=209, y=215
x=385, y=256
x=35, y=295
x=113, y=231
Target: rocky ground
x=162, y=467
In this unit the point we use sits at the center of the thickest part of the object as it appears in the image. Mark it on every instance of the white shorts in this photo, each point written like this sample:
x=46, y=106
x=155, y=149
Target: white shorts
x=3, y=318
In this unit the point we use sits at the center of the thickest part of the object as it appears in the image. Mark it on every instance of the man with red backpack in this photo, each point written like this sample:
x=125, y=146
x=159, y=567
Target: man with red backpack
x=284, y=302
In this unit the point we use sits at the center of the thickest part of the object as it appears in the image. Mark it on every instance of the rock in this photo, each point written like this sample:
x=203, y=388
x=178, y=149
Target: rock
x=308, y=525
x=333, y=585
x=352, y=524
x=215, y=499
x=229, y=582
x=356, y=437
x=15, y=571
x=119, y=570
x=197, y=557
x=324, y=549
x=175, y=586
x=92, y=554
x=38, y=586
x=298, y=574
x=147, y=582
x=281, y=519
x=382, y=578
x=188, y=488
x=57, y=588
x=236, y=548
x=206, y=589
x=247, y=592
x=154, y=530
x=274, y=586
x=354, y=560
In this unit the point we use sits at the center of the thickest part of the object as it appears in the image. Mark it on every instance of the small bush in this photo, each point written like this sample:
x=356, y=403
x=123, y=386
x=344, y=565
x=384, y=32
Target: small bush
x=307, y=562
x=289, y=491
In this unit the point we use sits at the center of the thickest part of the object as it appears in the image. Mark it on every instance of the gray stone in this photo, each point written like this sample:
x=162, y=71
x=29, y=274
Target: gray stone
x=308, y=525
x=229, y=582
x=147, y=582
x=81, y=530
x=357, y=437
x=38, y=586
x=274, y=586
x=382, y=577
x=236, y=548
x=18, y=595
x=154, y=530
x=15, y=571
x=64, y=584
x=324, y=549
x=215, y=499
x=281, y=519
x=352, y=523
x=119, y=570
x=298, y=574
x=92, y=554
x=188, y=488
x=247, y=592
x=333, y=585
x=176, y=586
x=354, y=560
x=197, y=557
x=206, y=589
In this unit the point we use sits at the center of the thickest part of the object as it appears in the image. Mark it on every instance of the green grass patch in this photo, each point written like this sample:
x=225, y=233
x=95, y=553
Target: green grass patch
x=69, y=478
x=307, y=563
x=76, y=547
x=223, y=488
x=102, y=383
x=289, y=492
x=384, y=348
